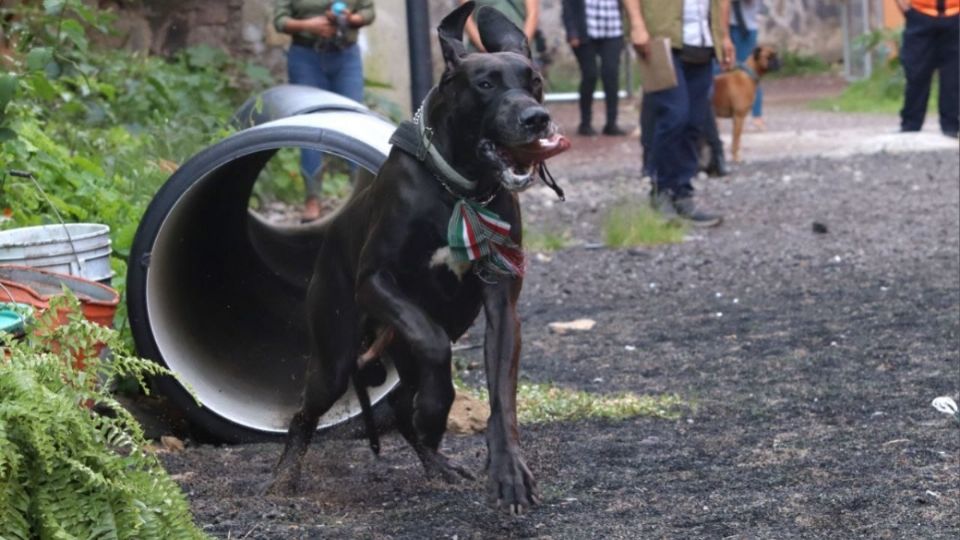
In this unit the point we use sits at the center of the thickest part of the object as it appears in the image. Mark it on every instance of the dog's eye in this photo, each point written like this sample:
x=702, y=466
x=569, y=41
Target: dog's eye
x=485, y=85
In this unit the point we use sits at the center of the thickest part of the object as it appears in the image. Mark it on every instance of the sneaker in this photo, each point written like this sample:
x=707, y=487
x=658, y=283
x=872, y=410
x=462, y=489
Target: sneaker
x=613, y=130
x=311, y=210
x=586, y=130
x=687, y=210
x=662, y=203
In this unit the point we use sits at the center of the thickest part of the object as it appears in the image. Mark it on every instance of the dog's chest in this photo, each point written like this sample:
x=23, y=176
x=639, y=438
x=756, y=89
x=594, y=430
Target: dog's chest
x=443, y=258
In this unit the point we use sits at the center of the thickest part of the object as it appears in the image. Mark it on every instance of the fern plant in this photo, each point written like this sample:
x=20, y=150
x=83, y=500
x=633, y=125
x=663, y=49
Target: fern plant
x=67, y=471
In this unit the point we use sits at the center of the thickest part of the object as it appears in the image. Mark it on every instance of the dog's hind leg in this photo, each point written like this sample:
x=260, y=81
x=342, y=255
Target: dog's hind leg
x=738, y=121
x=403, y=400
x=334, y=325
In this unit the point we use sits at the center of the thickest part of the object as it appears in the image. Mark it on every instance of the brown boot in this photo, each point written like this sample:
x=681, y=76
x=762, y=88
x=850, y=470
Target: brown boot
x=311, y=210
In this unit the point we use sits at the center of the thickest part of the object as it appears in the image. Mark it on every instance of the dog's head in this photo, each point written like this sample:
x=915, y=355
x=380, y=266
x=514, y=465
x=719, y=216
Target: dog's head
x=489, y=106
x=765, y=59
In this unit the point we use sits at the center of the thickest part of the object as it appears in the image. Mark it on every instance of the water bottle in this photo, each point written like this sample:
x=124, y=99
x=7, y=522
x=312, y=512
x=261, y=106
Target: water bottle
x=339, y=11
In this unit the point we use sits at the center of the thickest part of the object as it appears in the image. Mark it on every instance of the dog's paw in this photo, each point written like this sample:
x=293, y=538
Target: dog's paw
x=510, y=485
x=439, y=466
x=281, y=485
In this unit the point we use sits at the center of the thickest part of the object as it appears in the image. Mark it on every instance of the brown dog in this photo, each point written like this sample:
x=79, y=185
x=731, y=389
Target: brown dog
x=735, y=90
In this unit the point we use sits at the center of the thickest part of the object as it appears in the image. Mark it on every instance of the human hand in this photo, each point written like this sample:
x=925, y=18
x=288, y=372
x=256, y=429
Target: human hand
x=641, y=41
x=904, y=5
x=356, y=20
x=728, y=55
x=574, y=42
x=319, y=26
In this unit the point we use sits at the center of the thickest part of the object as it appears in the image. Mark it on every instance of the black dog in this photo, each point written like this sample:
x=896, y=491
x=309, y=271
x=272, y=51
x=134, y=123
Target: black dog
x=413, y=255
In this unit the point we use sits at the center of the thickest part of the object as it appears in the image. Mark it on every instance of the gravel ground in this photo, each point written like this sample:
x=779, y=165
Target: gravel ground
x=811, y=360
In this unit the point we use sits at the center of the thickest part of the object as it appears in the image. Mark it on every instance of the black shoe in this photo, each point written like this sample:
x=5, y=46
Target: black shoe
x=718, y=165
x=613, y=130
x=688, y=211
x=662, y=203
x=586, y=130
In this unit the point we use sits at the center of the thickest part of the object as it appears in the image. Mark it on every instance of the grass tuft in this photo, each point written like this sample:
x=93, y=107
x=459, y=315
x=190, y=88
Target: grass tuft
x=635, y=224
x=540, y=403
x=545, y=241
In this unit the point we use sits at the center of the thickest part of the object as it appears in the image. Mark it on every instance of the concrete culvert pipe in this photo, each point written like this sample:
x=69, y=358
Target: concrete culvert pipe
x=216, y=293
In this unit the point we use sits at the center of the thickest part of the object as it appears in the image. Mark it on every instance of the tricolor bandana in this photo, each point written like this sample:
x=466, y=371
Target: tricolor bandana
x=478, y=234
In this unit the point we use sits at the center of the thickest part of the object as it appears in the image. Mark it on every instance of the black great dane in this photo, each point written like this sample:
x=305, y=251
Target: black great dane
x=410, y=259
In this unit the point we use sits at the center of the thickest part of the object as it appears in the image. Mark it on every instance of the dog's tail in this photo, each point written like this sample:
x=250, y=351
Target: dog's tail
x=366, y=411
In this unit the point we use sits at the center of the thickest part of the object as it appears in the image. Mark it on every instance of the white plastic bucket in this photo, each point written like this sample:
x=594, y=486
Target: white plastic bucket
x=77, y=249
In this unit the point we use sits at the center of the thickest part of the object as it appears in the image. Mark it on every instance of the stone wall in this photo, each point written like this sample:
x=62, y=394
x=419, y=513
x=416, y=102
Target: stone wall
x=245, y=28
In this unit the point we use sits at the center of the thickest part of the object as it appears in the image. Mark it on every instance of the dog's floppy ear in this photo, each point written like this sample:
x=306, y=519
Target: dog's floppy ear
x=450, y=32
x=499, y=34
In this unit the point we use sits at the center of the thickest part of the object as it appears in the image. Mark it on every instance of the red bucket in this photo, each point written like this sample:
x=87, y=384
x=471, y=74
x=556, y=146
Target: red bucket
x=36, y=287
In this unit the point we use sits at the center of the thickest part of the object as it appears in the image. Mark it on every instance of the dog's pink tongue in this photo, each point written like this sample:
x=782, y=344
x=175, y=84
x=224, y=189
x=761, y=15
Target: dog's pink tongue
x=541, y=149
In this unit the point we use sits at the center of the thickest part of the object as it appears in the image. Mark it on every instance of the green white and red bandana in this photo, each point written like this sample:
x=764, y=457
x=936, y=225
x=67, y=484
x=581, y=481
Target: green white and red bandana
x=478, y=234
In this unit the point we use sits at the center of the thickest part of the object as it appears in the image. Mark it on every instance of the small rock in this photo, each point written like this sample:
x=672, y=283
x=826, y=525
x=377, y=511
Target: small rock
x=468, y=415
x=171, y=443
x=629, y=348
x=819, y=228
x=579, y=325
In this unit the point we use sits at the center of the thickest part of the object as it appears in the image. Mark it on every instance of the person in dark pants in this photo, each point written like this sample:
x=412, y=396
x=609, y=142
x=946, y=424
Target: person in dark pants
x=699, y=32
x=931, y=41
x=594, y=28
x=717, y=166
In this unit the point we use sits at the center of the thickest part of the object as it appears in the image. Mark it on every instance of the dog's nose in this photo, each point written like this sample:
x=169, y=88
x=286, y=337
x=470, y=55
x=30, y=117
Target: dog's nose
x=535, y=118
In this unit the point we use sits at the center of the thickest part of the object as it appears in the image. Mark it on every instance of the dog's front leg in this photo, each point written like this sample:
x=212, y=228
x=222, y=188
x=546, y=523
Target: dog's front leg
x=510, y=482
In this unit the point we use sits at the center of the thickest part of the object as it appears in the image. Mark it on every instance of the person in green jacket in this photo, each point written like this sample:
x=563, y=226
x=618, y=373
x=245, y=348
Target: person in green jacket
x=699, y=32
x=324, y=54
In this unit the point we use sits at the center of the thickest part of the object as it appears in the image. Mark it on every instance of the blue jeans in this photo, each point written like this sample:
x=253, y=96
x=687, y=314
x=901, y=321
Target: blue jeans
x=744, y=42
x=930, y=44
x=340, y=72
x=678, y=115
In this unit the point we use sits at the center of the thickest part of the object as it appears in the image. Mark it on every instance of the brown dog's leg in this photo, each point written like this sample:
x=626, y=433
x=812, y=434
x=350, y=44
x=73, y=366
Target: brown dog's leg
x=738, y=121
x=509, y=481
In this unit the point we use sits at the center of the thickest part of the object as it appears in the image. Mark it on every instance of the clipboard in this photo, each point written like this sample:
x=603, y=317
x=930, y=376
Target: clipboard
x=656, y=71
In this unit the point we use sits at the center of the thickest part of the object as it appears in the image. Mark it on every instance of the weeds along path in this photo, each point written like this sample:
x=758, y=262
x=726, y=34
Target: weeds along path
x=809, y=361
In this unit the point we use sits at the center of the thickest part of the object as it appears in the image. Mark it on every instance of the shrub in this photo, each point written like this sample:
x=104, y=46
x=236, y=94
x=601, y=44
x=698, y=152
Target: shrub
x=101, y=130
x=65, y=470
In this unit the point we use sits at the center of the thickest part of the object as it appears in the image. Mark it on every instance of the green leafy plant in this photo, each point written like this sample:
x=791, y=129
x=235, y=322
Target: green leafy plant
x=65, y=470
x=630, y=224
x=794, y=64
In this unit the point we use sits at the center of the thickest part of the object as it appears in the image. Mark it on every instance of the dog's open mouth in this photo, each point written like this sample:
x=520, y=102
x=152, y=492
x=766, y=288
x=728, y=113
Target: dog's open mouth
x=519, y=163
